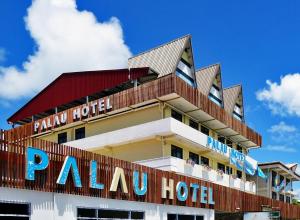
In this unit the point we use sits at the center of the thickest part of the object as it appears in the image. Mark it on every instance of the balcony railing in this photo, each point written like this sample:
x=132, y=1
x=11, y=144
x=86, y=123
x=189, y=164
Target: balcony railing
x=177, y=165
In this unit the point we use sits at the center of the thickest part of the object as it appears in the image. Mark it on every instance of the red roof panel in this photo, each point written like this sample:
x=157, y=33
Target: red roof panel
x=72, y=86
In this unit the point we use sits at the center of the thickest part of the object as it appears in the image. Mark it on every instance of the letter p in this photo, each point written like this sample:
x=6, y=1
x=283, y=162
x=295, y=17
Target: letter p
x=31, y=163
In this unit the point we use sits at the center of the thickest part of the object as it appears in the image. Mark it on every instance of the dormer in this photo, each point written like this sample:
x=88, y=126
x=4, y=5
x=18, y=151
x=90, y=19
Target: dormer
x=233, y=101
x=173, y=57
x=209, y=82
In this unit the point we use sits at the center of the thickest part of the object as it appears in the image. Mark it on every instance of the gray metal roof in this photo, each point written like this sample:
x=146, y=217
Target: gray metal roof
x=162, y=59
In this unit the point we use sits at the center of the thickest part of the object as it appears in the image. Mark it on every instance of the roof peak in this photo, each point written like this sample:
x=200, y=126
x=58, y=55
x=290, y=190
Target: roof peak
x=209, y=66
x=161, y=45
x=233, y=86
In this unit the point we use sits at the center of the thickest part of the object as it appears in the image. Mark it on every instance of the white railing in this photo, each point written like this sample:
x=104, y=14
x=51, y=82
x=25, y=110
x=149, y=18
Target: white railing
x=199, y=171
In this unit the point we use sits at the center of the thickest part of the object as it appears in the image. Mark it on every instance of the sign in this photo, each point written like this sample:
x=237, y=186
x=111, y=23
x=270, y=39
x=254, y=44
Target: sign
x=90, y=109
x=182, y=191
x=217, y=146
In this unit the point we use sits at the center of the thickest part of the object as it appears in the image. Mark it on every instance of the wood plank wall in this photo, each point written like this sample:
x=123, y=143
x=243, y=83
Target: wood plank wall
x=152, y=90
x=12, y=173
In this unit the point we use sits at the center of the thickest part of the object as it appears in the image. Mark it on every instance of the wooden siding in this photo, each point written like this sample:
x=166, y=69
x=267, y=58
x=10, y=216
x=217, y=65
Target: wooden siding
x=12, y=173
x=159, y=88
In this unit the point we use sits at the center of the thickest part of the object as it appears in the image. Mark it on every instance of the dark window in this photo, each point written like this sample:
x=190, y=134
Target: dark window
x=176, y=115
x=97, y=214
x=204, y=130
x=239, y=148
x=108, y=214
x=228, y=170
x=194, y=157
x=221, y=167
x=228, y=143
x=274, y=176
x=82, y=212
x=288, y=199
x=221, y=139
x=205, y=161
x=137, y=215
x=176, y=152
x=184, y=217
x=281, y=197
x=281, y=179
x=194, y=124
x=62, y=138
x=80, y=133
x=14, y=211
x=274, y=195
x=239, y=174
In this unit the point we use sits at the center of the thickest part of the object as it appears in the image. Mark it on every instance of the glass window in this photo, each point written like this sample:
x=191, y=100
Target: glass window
x=62, y=138
x=281, y=197
x=221, y=167
x=184, y=217
x=274, y=176
x=194, y=124
x=204, y=161
x=221, y=139
x=288, y=199
x=204, y=130
x=176, y=115
x=98, y=214
x=228, y=143
x=14, y=211
x=176, y=152
x=194, y=157
x=274, y=195
x=239, y=148
x=239, y=174
x=228, y=170
x=80, y=133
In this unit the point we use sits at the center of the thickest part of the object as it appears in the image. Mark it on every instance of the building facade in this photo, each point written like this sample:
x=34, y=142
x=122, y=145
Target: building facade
x=159, y=140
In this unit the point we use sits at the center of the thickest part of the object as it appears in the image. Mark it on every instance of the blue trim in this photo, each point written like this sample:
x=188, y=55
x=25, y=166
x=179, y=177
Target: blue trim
x=186, y=78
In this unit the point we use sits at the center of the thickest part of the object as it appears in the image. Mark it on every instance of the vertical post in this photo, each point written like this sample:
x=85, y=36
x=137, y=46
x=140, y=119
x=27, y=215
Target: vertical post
x=87, y=99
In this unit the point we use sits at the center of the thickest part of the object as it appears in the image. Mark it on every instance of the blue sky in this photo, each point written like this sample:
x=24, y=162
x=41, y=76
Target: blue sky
x=254, y=41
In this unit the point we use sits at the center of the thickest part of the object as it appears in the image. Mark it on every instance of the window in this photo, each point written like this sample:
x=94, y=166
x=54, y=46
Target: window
x=184, y=217
x=98, y=214
x=14, y=211
x=205, y=161
x=80, y=133
x=176, y=152
x=194, y=124
x=194, y=157
x=62, y=138
x=205, y=130
x=176, y=115
x=288, y=199
x=228, y=143
x=281, y=197
x=221, y=139
x=215, y=95
x=239, y=174
x=228, y=170
x=221, y=167
x=239, y=148
x=274, y=195
x=274, y=176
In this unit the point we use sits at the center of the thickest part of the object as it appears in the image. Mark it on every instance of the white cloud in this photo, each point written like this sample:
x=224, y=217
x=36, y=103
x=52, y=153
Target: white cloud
x=280, y=148
x=282, y=98
x=66, y=40
x=282, y=127
x=2, y=55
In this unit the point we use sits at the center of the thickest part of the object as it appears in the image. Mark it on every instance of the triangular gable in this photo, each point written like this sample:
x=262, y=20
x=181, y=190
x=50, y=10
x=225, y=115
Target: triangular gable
x=233, y=101
x=209, y=82
x=165, y=58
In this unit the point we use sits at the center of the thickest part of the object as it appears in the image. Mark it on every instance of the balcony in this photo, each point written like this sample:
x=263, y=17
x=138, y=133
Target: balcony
x=180, y=166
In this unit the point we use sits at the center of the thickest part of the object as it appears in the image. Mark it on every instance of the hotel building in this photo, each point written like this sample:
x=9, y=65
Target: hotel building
x=158, y=140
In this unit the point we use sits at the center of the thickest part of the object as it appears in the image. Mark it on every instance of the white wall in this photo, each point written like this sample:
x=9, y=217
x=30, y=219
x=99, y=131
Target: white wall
x=53, y=206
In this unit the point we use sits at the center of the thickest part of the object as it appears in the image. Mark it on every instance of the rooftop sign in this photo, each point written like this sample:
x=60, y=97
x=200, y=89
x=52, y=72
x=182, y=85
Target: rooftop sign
x=82, y=112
